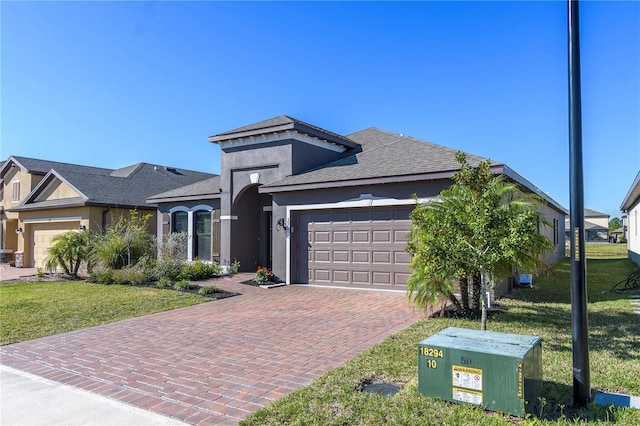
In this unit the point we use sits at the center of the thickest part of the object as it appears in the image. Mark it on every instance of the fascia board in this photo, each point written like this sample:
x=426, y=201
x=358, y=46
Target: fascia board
x=356, y=182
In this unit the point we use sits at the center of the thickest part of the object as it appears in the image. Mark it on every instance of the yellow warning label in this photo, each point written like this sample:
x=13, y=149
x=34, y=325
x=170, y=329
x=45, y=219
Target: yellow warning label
x=465, y=395
x=466, y=377
x=519, y=380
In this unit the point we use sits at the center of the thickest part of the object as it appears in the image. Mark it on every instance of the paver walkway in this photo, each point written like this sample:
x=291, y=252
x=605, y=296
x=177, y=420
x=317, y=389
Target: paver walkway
x=217, y=362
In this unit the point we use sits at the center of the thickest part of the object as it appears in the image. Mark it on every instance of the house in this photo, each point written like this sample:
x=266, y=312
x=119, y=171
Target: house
x=631, y=207
x=596, y=227
x=318, y=207
x=41, y=199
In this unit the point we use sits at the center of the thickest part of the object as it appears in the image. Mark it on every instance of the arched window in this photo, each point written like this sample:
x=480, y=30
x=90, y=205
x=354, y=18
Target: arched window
x=202, y=233
x=180, y=222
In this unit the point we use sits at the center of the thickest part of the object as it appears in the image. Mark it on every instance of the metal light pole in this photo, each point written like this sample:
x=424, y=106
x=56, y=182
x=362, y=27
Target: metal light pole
x=580, y=329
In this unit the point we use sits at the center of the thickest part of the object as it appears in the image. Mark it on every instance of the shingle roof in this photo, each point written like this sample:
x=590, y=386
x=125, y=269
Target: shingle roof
x=593, y=213
x=126, y=187
x=42, y=167
x=279, y=124
x=202, y=189
x=384, y=154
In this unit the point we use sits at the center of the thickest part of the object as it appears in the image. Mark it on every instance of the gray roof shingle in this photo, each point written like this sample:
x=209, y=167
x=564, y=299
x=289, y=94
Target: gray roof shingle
x=384, y=154
x=127, y=187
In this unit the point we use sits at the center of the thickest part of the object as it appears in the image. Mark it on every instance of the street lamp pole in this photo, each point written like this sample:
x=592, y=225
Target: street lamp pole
x=580, y=328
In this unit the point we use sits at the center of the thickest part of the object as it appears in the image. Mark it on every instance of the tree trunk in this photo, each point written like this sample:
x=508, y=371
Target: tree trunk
x=464, y=292
x=483, y=321
x=477, y=290
x=455, y=301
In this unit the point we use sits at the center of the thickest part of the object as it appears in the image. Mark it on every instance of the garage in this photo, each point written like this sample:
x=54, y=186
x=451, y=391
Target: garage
x=42, y=234
x=355, y=247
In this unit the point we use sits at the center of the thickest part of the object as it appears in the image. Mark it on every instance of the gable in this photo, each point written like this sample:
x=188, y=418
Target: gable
x=56, y=190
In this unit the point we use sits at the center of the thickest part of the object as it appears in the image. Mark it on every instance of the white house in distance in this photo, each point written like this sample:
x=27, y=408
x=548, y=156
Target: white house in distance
x=631, y=206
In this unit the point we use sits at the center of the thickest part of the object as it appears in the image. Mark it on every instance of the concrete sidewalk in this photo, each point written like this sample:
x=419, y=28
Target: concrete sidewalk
x=9, y=273
x=26, y=399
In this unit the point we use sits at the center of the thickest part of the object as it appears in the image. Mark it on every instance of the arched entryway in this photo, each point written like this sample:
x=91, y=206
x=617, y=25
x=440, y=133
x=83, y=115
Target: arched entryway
x=251, y=231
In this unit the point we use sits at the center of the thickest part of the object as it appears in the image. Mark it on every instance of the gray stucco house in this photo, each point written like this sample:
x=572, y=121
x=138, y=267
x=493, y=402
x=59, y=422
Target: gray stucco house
x=318, y=207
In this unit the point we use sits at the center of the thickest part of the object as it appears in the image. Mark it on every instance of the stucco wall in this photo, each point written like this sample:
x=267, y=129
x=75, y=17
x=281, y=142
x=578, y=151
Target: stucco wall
x=633, y=232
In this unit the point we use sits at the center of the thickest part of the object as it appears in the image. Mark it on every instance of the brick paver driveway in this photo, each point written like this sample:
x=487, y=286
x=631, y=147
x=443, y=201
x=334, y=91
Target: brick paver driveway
x=216, y=362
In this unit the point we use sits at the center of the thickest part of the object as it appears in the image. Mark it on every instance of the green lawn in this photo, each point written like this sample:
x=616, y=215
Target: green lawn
x=603, y=251
x=333, y=399
x=31, y=310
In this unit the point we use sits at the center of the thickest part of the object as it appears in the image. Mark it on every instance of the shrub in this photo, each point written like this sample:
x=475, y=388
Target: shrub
x=174, y=246
x=184, y=285
x=164, y=283
x=123, y=243
x=130, y=275
x=208, y=290
x=200, y=270
x=101, y=276
x=167, y=268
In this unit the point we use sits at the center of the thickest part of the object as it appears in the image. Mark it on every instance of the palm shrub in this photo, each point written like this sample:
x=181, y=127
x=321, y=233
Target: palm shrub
x=68, y=251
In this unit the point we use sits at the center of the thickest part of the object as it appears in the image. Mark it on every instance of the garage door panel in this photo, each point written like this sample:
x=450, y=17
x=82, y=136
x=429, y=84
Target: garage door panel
x=359, y=247
x=381, y=257
x=341, y=236
x=42, y=235
x=341, y=256
x=381, y=278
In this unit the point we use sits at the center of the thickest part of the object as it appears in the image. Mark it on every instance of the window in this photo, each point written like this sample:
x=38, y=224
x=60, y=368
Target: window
x=556, y=225
x=16, y=191
x=202, y=235
x=180, y=222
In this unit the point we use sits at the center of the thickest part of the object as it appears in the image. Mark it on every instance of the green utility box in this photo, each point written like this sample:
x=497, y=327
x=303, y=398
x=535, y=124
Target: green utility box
x=498, y=371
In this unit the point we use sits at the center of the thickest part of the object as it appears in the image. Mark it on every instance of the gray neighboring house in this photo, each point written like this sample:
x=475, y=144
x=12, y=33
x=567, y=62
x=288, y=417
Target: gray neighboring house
x=322, y=208
x=631, y=220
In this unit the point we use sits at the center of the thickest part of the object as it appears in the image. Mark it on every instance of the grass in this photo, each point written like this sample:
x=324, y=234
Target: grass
x=32, y=310
x=334, y=399
x=603, y=251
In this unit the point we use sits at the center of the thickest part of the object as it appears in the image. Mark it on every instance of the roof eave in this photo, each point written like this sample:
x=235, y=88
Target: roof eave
x=356, y=182
x=183, y=198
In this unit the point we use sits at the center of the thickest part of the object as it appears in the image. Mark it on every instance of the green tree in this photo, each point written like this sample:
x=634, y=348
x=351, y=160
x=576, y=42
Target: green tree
x=123, y=243
x=615, y=223
x=480, y=227
x=68, y=251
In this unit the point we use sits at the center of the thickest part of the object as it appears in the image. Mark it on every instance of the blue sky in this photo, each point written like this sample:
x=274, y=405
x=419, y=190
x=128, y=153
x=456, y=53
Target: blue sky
x=114, y=83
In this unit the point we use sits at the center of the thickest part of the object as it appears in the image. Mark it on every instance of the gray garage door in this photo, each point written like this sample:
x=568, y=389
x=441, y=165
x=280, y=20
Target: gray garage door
x=363, y=247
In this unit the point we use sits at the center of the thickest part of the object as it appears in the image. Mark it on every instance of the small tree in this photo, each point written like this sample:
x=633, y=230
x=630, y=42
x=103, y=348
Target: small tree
x=615, y=223
x=482, y=226
x=68, y=251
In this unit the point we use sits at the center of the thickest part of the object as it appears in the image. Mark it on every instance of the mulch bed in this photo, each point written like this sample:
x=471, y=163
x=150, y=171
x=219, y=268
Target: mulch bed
x=257, y=284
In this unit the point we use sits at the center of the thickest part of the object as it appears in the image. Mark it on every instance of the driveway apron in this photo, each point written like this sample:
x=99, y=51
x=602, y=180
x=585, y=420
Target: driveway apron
x=216, y=362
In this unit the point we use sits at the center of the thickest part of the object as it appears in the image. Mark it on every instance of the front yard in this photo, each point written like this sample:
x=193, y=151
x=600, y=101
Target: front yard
x=31, y=310
x=335, y=399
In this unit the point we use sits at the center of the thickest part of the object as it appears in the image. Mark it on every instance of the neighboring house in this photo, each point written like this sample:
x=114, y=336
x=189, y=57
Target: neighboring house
x=318, y=207
x=631, y=207
x=41, y=199
x=596, y=227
